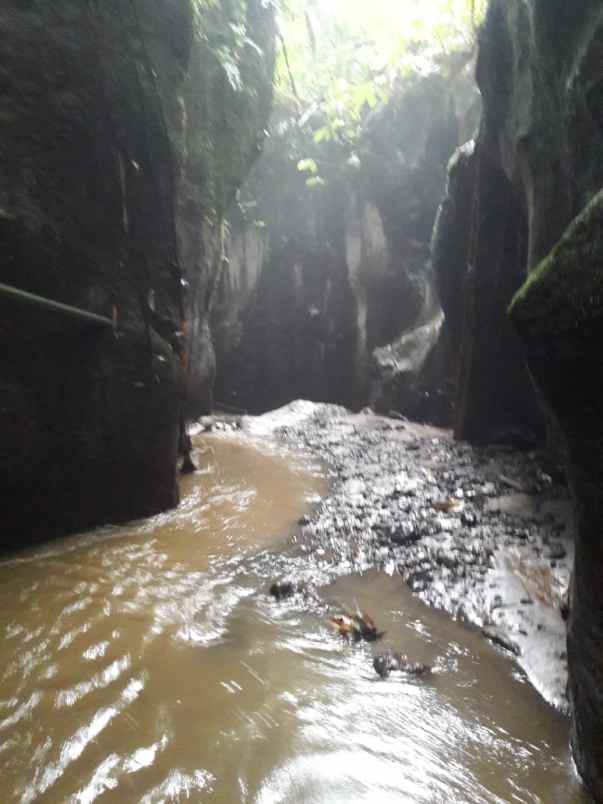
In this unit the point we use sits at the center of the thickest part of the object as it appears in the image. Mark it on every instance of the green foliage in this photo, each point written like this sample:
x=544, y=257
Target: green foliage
x=339, y=59
x=228, y=102
x=565, y=291
x=307, y=166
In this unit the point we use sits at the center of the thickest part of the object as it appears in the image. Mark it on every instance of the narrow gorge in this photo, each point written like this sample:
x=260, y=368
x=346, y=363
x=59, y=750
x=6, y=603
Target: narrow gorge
x=343, y=267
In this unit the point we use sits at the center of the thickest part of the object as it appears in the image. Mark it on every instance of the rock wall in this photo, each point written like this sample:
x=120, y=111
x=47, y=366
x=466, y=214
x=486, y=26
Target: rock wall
x=126, y=127
x=328, y=292
x=450, y=256
x=285, y=325
x=559, y=313
x=536, y=166
x=219, y=123
x=507, y=202
x=479, y=258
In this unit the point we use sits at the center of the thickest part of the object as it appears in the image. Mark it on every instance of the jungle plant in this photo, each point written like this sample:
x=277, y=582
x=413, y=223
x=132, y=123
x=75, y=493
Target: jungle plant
x=337, y=62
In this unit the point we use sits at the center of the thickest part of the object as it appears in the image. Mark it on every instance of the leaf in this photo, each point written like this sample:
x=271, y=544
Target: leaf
x=350, y=61
x=315, y=181
x=307, y=166
x=323, y=134
x=365, y=93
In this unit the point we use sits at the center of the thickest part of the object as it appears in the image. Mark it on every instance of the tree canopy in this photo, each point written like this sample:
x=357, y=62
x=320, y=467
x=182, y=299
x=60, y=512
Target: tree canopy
x=338, y=59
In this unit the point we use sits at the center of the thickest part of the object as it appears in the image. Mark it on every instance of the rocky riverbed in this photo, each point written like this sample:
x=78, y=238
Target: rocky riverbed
x=484, y=533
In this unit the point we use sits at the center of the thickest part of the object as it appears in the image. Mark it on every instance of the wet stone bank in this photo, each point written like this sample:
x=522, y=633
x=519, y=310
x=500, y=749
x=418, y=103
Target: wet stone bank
x=482, y=533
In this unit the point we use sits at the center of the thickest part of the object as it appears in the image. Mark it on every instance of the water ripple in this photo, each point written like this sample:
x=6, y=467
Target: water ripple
x=147, y=663
x=75, y=746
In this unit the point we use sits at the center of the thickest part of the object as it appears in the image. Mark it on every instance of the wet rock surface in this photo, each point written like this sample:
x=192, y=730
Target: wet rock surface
x=537, y=167
x=387, y=663
x=407, y=499
x=116, y=171
x=558, y=313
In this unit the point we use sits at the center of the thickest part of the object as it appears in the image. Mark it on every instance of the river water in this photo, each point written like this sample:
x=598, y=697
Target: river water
x=146, y=663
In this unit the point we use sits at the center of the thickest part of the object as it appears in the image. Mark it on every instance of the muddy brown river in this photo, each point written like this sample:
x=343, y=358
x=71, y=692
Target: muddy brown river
x=146, y=663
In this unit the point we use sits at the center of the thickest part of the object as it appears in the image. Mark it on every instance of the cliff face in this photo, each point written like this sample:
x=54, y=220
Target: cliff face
x=219, y=123
x=126, y=127
x=559, y=313
x=328, y=292
x=536, y=167
x=535, y=164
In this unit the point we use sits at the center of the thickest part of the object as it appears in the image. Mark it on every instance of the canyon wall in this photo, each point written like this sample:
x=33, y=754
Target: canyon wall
x=535, y=218
x=126, y=129
x=328, y=293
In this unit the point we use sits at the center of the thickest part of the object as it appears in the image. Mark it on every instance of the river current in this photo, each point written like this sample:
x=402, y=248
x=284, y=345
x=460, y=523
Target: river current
x=147, y=663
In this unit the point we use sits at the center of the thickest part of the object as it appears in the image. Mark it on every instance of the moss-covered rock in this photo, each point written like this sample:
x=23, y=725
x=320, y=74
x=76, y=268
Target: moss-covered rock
x=216, y=93
x=564, y=293
x=539, y=152
x=539, y=166
x=559, y=314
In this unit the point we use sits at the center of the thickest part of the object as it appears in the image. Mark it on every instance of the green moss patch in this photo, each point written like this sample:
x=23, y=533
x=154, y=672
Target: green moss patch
x=565, y=292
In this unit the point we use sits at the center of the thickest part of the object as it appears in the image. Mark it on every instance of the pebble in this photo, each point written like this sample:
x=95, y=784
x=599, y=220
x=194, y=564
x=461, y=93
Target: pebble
x=384, y=517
